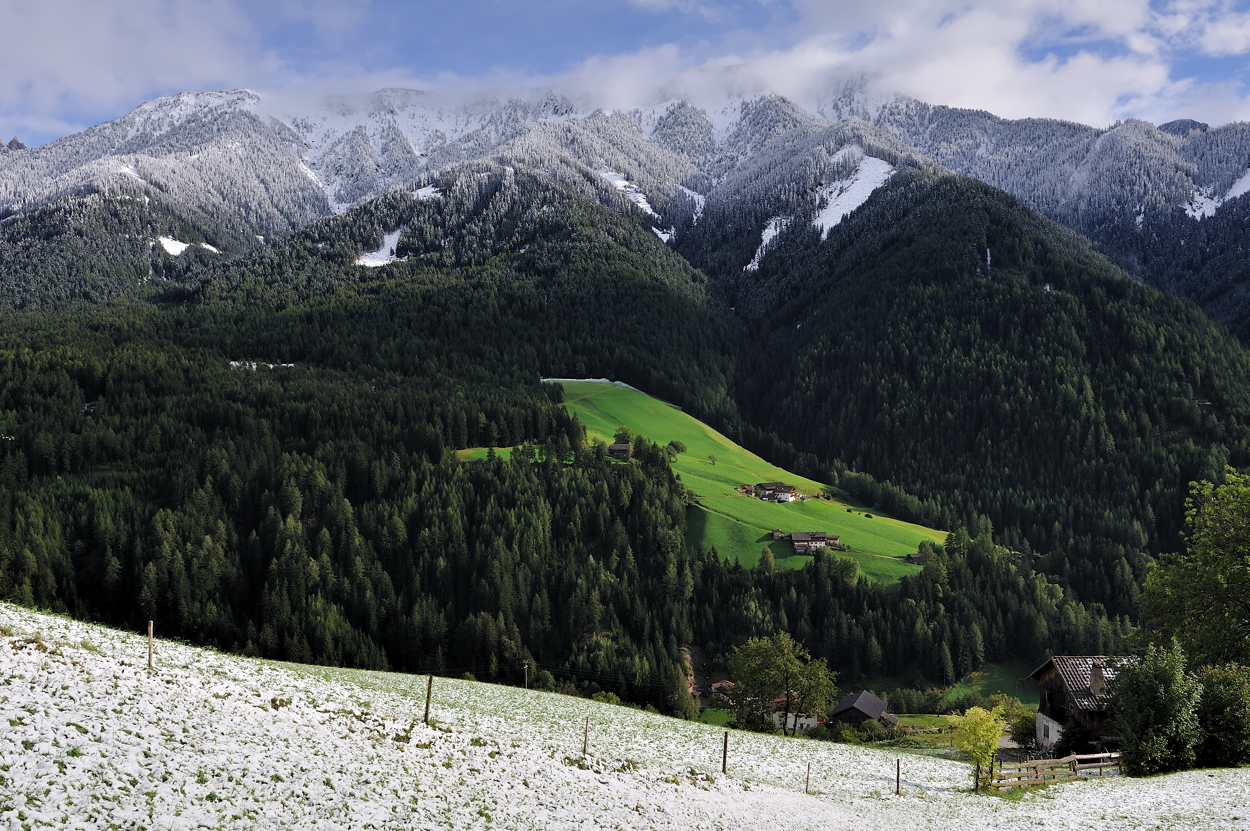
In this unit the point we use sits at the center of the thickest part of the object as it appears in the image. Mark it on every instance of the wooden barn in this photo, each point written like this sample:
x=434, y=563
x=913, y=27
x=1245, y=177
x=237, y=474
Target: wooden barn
x=860, y=707
x=1074, y=686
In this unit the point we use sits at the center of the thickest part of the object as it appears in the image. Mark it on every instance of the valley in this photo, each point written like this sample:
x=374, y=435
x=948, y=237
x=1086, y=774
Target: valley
x=352, y=426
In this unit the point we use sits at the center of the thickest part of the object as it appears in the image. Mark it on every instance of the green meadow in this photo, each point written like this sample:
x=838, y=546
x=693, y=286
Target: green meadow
x=735, y=524
x=1008, y=678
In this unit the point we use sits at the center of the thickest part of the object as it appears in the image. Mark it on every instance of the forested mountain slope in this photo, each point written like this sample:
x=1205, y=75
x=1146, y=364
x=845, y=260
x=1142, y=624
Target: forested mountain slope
x=260, y=460
x=945, y=337
x=249, y=166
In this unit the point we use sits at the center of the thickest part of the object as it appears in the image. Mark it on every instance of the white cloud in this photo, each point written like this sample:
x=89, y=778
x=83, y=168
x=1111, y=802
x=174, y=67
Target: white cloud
x=1093, y=61
x=62, y=56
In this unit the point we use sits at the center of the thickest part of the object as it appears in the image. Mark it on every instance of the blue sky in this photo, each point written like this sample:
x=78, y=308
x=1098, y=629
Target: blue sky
x=68, y=64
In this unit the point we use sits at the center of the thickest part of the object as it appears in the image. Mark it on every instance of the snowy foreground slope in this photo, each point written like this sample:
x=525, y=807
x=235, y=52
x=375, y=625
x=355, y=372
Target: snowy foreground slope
x=92, y=739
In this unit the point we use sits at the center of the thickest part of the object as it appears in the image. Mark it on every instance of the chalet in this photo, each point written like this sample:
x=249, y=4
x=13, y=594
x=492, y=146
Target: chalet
x=915, y=558
x=722, y=690
x=1074, y=686
x=805, y=541
x=860, y=707
x=621, y=452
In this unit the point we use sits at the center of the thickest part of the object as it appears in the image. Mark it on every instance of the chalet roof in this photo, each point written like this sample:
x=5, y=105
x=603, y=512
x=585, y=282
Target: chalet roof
x=863, y=701
x=1075, y=670
x=771, y=486
x=619, y=446
x=801, y=536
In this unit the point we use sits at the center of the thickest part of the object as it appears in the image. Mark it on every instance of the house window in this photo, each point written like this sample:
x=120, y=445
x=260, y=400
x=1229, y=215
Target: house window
x=1046, y=731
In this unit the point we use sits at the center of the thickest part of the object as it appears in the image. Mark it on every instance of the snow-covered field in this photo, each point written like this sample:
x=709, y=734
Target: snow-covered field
x=93, y=740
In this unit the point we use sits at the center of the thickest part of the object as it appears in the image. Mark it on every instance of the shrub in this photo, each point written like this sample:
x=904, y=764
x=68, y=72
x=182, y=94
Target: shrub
x=606, y=698
x=1156, y=707
x=1024, y=730
x=872, y=731
x=1224, y=716
x=845, y=734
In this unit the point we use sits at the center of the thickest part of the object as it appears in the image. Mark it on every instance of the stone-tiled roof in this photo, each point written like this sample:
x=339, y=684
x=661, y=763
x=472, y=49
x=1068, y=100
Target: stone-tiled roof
x=1075, y=671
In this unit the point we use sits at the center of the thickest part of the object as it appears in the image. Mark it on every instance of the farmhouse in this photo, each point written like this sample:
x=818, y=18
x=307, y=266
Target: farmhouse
x=805, y=541
x=795, y=722
x=1074, y=686
x=776, y=492
x=915, y=558
x=860, y=707
x=722, y=690
x=621, y=452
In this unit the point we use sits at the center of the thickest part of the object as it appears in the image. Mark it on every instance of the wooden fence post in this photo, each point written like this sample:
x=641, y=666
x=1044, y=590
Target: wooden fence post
x=807, y=788
x=724, y=759
x=586, y=738
x=429, y=691
x=898, y=776
x=149, y=646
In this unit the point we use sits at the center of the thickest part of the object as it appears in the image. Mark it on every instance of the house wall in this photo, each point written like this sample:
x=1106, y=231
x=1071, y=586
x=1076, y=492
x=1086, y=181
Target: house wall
x=805, y=722
x=1053, y=696
x=1047, y=732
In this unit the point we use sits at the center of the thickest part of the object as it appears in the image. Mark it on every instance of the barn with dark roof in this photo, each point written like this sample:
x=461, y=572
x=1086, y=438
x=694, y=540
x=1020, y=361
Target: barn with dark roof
x=860, y=707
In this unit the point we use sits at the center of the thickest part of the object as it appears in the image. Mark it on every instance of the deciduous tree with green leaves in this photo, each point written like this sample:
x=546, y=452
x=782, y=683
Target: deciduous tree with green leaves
x=977, y=733
x=764, y=669
x=1201, y=597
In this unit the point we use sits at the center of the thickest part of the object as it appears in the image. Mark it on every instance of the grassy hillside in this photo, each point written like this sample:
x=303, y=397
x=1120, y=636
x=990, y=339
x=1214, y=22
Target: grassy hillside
x=738, y=525
x=210, y=740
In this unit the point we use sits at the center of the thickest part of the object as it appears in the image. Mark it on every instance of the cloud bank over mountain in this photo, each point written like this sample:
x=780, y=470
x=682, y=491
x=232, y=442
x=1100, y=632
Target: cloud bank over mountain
x=70, y=63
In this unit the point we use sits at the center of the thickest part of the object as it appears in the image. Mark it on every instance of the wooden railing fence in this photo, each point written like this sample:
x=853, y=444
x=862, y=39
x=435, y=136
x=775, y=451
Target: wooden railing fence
x=1006, y=775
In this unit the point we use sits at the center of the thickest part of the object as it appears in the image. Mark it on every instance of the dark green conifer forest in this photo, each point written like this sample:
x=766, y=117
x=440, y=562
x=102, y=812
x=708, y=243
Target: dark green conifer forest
x=259, y=454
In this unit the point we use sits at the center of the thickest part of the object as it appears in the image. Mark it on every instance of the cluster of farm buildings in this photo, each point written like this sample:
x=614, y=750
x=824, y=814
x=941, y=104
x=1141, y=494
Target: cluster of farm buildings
x=1074, y=689
x=854, y=709
x=772, y=492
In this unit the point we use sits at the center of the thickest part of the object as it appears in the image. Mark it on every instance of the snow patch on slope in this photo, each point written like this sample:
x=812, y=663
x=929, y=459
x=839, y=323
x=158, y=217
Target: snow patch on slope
x=631, y=191
x=175, y=247
x=699, y=201
x=774, y=227
x=1205, y=203
x=427, y=193
x=845, y=195
x=172, y=246
x=385, y=254
x=1240, y=188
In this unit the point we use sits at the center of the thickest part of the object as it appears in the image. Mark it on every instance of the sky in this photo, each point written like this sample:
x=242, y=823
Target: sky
x=68, y=64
